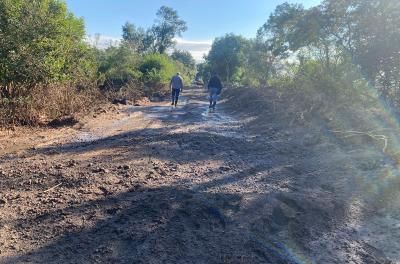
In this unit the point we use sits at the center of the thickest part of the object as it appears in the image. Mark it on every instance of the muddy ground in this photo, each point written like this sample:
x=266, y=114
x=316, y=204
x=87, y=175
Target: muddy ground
x=154, y=184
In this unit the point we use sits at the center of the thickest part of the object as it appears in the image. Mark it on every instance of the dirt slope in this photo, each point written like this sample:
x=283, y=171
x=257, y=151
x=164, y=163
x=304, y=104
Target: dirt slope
x=154, y=184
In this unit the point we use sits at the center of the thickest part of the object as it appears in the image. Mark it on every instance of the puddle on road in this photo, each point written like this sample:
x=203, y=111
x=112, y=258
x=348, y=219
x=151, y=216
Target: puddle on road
x=162, y=112
x=85, y=137
x=215, y=116
x=102, y=132
x=189, y=112
x=195, y=113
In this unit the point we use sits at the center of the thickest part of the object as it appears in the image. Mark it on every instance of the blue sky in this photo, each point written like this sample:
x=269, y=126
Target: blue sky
x=206, y=19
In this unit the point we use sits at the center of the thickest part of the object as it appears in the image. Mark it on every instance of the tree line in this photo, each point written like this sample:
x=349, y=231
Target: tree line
x=339, y=49
x=48, y=69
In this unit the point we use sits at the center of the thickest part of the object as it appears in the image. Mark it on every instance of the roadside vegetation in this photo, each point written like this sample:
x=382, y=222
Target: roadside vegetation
x=333, y=45
x=48, y=70
x=333, y=57
x=301, y=165
x=335, y=63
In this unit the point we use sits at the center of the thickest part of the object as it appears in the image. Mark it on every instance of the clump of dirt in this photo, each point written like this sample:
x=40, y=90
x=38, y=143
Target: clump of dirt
x=120, y=101
x=63, y=121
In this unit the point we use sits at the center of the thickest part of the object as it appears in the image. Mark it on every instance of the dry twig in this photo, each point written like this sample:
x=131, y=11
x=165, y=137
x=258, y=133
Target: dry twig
x=52, y=188
x=360, y=133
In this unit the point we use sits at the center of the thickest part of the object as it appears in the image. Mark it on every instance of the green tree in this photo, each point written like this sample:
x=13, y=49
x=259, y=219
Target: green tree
x=168, y=26
x=187, y=61
x=340, y=32
x=227, y=55
x=40, y=42
x=368, y=30
x=134, y=37
x=118, y=66
x=292, y=28
x=203, y=71
x=278, y=31
x=258, y=65
x=157, y=69
x=184, y=57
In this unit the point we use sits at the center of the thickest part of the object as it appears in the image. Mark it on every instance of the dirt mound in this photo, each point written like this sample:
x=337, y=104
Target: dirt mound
x=339, y=177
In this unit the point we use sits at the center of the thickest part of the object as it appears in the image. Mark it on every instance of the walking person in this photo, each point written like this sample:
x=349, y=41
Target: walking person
x=214, y=89
x=176, y=86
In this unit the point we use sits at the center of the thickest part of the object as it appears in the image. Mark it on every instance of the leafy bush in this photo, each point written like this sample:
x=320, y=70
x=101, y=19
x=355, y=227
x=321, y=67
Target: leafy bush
x=40, y=42
x=186, y=59
x=157, y=70
x=117, y=67
x=41, y=47
x=227, y=55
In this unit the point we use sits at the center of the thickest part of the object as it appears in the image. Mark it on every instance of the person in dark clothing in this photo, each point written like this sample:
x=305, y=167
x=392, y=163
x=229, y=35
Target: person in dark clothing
x=214, y=89
x=176, y=86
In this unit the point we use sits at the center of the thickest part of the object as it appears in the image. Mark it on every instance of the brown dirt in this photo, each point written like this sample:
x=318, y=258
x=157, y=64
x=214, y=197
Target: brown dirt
x=152, y=184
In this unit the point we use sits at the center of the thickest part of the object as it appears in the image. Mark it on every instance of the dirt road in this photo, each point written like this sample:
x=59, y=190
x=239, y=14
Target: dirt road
x=154, y=184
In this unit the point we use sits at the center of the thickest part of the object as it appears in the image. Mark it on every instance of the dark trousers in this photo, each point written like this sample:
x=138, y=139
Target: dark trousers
x=175, y=95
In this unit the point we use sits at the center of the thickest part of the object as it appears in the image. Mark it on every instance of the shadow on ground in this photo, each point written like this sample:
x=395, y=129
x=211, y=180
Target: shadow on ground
x=228, y=199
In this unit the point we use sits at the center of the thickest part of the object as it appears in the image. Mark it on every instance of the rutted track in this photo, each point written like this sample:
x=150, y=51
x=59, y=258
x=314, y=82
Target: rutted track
x=171, y=185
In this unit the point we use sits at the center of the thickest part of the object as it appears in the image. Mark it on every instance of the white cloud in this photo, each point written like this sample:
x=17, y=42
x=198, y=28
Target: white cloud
x=196, y=48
